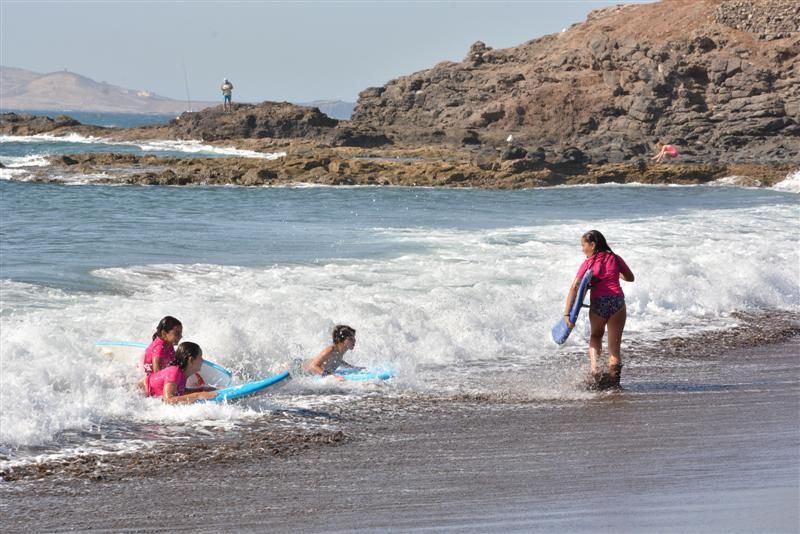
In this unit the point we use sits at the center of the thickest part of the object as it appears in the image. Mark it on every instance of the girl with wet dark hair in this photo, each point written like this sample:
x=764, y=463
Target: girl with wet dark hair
x=160, y=353
x=607, y=305
x=332, y=356
x=170, y=383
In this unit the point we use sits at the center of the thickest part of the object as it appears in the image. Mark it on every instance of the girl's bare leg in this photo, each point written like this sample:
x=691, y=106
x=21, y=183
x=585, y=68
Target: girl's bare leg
x=598, y=324
x=616, y=324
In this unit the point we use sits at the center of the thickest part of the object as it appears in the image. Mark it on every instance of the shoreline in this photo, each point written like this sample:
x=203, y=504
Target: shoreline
x=724, y=453
x=309, y=160
x=419, y=167
x=756, y=331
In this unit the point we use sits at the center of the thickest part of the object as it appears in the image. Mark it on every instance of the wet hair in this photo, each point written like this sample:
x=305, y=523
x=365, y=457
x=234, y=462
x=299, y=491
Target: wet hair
x=166, y=325
x=599, y=240
x=185, y=352
x=342, y=332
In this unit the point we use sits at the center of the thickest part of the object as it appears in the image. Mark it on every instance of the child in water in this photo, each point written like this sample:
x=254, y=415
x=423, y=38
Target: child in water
x=161, y=352
x=170, y=383
x=332, y=356
x=607, y=310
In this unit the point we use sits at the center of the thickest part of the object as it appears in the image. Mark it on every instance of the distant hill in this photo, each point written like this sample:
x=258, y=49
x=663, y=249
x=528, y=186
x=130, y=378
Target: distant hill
x=67, y=91
x=22, y=89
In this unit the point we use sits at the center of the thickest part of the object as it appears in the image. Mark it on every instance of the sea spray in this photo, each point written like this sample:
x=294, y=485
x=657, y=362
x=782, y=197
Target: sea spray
x=791, y=184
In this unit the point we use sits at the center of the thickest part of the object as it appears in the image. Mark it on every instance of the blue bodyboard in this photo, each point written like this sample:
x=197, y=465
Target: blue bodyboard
x=364, y=374
x=561, y=329
x=245, y=390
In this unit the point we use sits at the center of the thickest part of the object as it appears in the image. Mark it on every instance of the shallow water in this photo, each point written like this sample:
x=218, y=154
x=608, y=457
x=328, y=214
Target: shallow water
x=709, y=448
x=456, y=290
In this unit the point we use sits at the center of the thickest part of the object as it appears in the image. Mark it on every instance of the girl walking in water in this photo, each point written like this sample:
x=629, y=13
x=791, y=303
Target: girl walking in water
x=607, y=305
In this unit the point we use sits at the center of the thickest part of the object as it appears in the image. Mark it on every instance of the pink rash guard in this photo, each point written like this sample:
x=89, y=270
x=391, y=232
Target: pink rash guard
x=164, y=351
x=605, y=268
x=156, y=382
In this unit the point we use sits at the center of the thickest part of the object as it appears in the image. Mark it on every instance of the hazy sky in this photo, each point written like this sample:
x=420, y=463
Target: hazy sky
x=298, y=51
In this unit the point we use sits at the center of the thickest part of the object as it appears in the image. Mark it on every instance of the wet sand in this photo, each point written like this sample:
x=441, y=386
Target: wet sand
x=708, y=447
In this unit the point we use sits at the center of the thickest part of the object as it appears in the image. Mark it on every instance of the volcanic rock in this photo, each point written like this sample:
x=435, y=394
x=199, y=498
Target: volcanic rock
x=25, y=124
x=721, y=79
x=268, y=119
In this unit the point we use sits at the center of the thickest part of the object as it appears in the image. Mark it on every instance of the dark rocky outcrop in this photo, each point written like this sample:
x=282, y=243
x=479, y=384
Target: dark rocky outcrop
x=358, y=137
x=720, y=78
x=280, y=120
x=768, y=19
x=24, y=124
x=428, y=168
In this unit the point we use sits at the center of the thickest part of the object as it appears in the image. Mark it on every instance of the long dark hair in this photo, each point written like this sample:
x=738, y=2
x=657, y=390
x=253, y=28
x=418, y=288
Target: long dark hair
x=599, y=240
x=165, y=325
x=342, y=332
x=185, y=352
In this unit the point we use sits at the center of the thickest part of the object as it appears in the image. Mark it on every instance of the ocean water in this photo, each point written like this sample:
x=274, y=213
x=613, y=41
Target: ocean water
x=109, y=120
x=20, y=155
x=455, y=289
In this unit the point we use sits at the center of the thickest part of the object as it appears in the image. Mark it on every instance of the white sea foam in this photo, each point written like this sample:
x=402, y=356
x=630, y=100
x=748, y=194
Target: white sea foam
x=17, y=167
x=791, y=184
x=12, y=174
x=468, y=311
x=24, y=161
x=736, y=181
x=189, y=146
x=197, y=147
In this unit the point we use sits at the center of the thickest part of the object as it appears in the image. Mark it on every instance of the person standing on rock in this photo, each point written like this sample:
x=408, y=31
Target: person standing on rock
x=665, y=151
x=227, y=90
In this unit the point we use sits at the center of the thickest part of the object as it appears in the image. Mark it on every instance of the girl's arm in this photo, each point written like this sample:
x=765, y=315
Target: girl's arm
x=156, y=363
x=316, y=365
x=201, y=388
x=171, y=395
x=573, y=292
x=625, y=272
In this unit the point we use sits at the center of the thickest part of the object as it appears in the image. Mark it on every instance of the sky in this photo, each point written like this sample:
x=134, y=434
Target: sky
x=281, y=51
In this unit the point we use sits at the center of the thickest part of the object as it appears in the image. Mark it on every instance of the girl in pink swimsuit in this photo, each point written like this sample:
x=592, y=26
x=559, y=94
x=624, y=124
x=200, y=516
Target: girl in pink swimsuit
x=664, y=151
x=161, y=352
x=170, y=383
x=607, y=305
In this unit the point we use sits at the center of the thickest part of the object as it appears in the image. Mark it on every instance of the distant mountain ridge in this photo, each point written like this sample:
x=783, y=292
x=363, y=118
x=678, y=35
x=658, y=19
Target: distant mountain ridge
x=335, y=109
x=66, y=91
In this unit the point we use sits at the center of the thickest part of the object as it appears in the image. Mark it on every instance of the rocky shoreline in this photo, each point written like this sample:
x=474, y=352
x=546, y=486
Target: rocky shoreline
x=423, y=167
x=314, y=158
